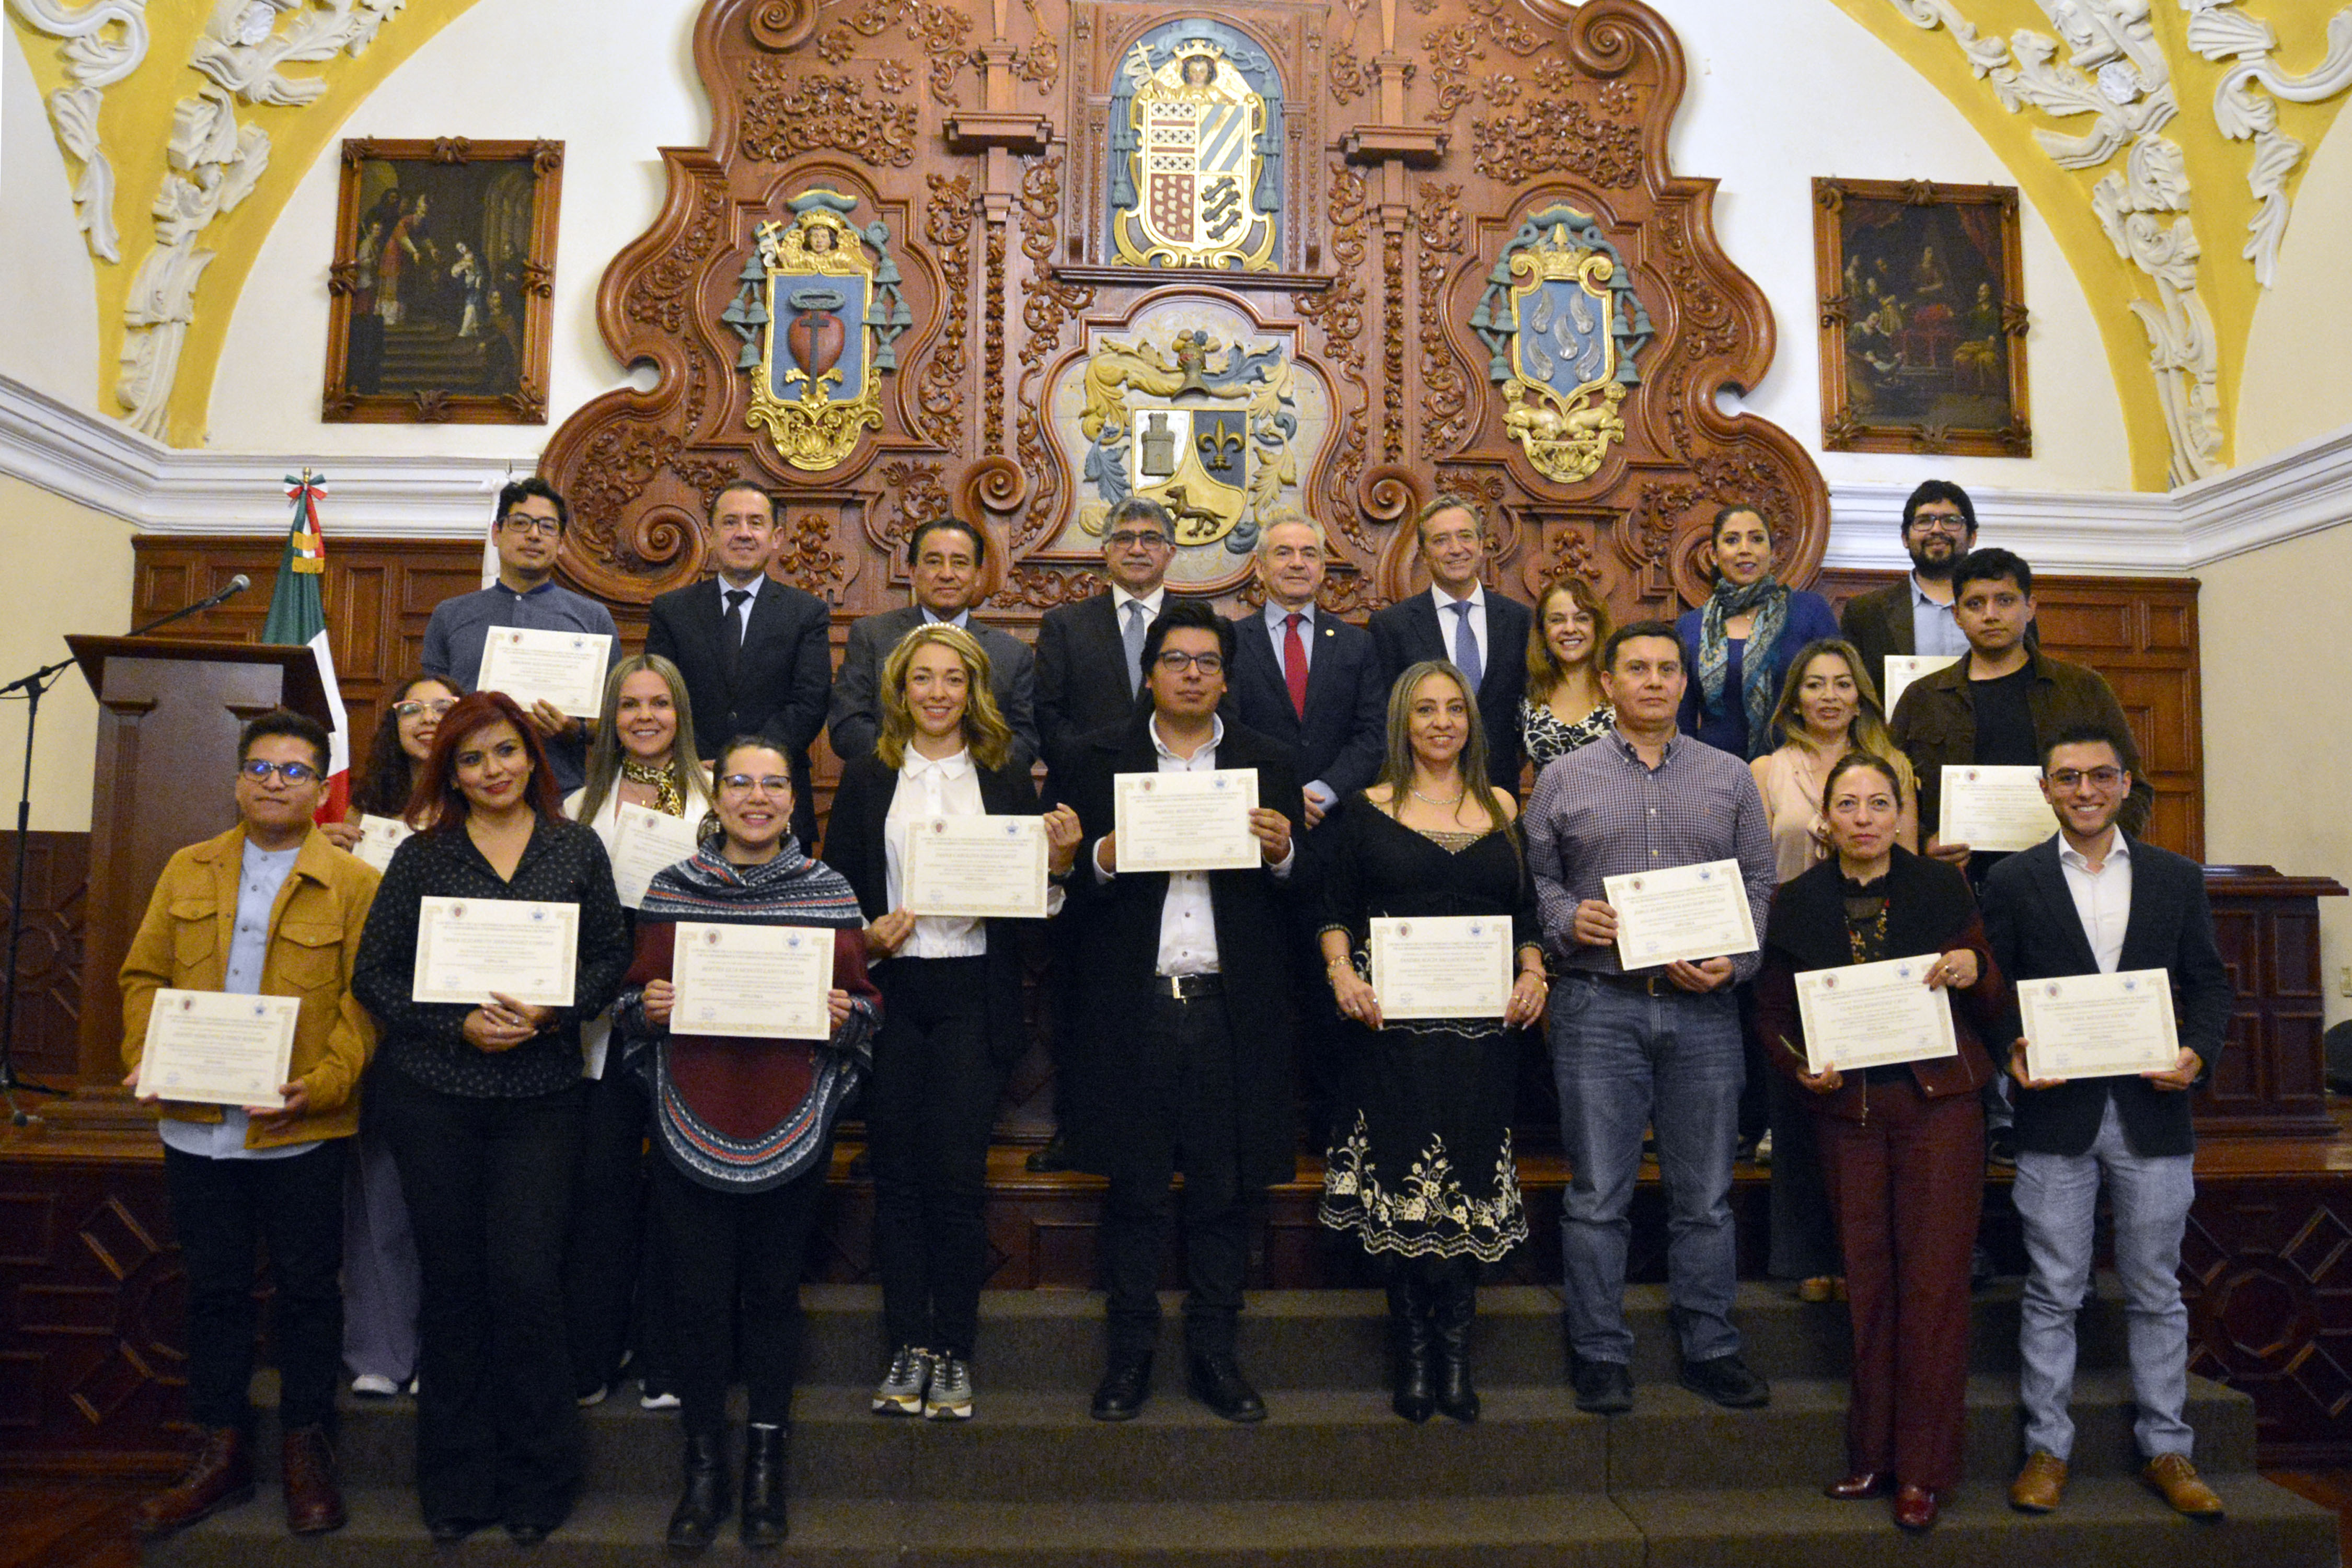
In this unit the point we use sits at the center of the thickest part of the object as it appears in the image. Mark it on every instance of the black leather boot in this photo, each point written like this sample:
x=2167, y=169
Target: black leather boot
x=1408, y=1345
x=763, y=1486
x=702, y=1503
x=1454, y=1303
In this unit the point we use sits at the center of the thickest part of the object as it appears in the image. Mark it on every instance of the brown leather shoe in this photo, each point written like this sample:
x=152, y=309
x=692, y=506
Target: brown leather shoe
x=1915, y=1507
x=221, y=1476
x=313, y=1502
x=2039, y=1485
x=2174, y=1479
x=1860, y=1485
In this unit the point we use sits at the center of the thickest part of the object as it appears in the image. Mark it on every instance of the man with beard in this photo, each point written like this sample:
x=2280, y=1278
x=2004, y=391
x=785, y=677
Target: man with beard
x=1914, y=614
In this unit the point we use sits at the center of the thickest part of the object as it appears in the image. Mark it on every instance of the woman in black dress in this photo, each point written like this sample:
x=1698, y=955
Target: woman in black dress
x=1423, y=1176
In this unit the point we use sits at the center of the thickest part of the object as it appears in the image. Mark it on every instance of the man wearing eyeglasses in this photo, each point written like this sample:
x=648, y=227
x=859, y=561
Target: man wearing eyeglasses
x=1914, y=613
x=2092, y=899
x=1188, y=1017
x=270, y=908
x=528, y=534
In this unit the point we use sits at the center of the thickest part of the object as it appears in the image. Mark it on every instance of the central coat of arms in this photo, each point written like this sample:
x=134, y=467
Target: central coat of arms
x=1565, y=326
x=1201, y=427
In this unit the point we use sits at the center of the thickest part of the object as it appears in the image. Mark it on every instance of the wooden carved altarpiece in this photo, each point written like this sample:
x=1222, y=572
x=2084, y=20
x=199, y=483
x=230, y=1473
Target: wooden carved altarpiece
x=1441, y=252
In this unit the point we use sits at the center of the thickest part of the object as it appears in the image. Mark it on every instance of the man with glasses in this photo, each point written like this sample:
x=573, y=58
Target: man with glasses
x=269, y=908
x=2092, y=899
x=1914, y=614
x=528, y=534
x=1188, y=1003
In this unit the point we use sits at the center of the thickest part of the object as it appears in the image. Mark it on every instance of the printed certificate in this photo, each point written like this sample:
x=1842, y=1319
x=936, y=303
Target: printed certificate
x=977, y=866
x=218, y=1048
x=379, y=837
x=1450, y=966
x=1875, y=1014
x=766, y=982
x=1995, y=808
x=566, y=669
x=467, y=948
x=1903, y=668
x=1687, y=911
x=2099, y=1026
x=1187, y=822
x=648, y=841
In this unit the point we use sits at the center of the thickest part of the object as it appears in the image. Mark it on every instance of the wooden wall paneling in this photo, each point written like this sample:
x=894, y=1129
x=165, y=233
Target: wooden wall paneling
x=50, y=964
x=2272, y=1079
x=2266, y=1270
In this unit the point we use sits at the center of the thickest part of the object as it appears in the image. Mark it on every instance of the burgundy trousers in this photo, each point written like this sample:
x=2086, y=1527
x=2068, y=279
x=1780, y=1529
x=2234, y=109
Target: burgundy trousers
x=1906, y=1185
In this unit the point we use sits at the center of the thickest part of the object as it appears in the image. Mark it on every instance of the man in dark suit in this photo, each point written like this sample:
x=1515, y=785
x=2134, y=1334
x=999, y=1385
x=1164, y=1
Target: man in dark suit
x=1310, y=680
x=2093, y=901
x=1486, y=635
x=944, y=560
x=754, y=651
x=1188, y=1067
x=1914, y=614
x=1089, y=654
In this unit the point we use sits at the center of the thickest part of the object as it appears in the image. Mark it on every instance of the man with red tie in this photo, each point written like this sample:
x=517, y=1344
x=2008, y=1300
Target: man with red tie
x=1308, y=680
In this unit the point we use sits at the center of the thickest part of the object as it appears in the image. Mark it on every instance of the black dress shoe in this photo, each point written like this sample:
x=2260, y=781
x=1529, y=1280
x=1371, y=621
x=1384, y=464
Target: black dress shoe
x=702, y=1501
x=763, y=1522
x=1054, y=1156
x=527, y=1534
x=1726, y=1380
x=449, y=1532
x=1602, y=1387
x=1217, y=1381
x=1125, y=1385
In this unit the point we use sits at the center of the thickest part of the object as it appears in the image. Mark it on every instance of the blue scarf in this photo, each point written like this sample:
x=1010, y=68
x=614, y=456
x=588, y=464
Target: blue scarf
x=1758, y=693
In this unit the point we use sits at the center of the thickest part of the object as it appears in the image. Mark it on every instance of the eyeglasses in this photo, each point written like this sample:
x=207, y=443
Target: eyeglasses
x=1126, y=539
x=414, y=709
x=2102, y=778
x=1938, y=522
x=257, y=770
x=1175, y=663
x=742, y=783
x=523, y=522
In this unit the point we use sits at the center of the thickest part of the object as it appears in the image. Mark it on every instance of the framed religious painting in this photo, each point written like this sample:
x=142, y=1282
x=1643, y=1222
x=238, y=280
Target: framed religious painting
x=1923, y=319
x=440, y=290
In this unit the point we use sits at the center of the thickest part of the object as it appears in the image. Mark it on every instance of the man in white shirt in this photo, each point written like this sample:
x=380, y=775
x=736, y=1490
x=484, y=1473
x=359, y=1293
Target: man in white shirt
x=1485, y=634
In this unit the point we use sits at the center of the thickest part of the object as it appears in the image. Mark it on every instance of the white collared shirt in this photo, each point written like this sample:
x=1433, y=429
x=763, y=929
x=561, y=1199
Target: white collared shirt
x=960, y=620
x=2102, y=898
x=946, y=786
x=1447, y=620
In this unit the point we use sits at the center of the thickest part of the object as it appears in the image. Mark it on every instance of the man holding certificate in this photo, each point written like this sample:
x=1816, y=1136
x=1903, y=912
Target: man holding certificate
x=2088, y=910
x=1650, y=846
x=257, y=1115
x=1186, y=1063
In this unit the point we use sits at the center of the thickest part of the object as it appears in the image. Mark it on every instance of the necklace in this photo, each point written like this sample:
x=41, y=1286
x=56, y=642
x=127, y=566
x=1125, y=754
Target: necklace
x=669, y=797
x=1432, y=799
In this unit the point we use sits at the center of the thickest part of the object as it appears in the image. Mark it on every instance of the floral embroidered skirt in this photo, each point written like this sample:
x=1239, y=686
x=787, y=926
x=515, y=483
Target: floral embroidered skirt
x=1426, y=1170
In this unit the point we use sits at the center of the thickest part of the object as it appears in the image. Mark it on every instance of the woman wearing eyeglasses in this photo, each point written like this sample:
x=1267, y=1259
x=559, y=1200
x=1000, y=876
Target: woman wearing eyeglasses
x=643, y=756
x=482, y=1107
x=951, y=1019
x=745, y=1128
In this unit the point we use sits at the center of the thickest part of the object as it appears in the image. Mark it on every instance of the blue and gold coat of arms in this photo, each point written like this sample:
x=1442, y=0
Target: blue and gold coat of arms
x=1564, y=326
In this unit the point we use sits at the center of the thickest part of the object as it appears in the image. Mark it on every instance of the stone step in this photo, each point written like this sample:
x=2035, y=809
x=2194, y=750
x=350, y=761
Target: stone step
x=2103, y=1520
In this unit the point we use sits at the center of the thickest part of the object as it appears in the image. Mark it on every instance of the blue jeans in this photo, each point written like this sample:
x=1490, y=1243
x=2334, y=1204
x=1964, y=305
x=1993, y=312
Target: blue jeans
x=1672, y=1063
x=2056, y=1196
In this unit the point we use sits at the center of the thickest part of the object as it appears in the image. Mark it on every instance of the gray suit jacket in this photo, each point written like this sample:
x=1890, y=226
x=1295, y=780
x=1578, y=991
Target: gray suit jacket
x=855, y=722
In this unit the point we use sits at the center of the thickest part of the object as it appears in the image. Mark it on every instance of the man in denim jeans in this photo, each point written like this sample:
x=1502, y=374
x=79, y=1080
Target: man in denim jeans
x=1657, y=1047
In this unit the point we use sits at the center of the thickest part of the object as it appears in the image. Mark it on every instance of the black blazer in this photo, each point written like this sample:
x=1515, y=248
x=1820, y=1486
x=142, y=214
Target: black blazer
x=782, y=674
x=1407, y=633
x=1346, y=729
x=854, y=846
x=855, y=719
x=1117, y=924
x=2036, y=933
x=1081, y=675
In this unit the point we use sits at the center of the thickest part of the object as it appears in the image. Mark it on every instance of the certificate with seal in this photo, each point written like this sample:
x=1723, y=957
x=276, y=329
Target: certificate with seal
x=648, y=841
x=1903, y=668
x=1448, y=966
x=566, y=669
x=379, y=837
x=1995, y=808
x=980, y=868
x=216, y=1047
x=1187, y=822
x=1685, y=911
x=766, y=982
x=1875, y=1014
x=2099, y=1026
x=468, y=948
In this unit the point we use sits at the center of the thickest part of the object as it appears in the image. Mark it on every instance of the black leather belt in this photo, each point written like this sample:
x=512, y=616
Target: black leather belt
x=1655, y=984
x=1188, y=987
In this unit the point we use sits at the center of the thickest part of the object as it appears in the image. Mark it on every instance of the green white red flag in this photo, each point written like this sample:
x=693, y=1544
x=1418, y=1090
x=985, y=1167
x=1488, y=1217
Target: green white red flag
x=297, y=617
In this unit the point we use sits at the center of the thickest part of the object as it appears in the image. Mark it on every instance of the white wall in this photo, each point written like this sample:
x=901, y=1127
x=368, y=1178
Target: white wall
x=2297, y=378
x=48, y=307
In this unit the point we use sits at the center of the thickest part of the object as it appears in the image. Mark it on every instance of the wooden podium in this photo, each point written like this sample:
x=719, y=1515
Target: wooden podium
x=168, y=713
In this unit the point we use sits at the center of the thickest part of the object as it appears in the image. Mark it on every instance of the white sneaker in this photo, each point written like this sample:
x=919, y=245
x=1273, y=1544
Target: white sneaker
x=1763, y=1155
x=949, y=1398
x=649, y=1399
x=594, y=1396
x=375, y=1385
x=901, y=1392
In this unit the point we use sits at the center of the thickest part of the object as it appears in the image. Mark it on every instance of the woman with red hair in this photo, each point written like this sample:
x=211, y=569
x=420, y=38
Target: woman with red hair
x=481, y=1105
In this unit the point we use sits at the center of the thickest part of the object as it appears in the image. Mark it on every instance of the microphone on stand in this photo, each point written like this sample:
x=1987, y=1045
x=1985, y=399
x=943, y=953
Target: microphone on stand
x=237, y=584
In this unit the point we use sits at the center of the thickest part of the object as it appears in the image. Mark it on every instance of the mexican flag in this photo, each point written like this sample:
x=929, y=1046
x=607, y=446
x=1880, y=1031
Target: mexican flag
x=298, y=616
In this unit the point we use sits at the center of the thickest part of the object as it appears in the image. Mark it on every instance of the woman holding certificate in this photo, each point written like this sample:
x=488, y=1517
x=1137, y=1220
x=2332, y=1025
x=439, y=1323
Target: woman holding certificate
x=762, y=952
x=1739, y=646
x=495, y=932
x=1847, y=1004
x=645, y=791
x=1430, y=943
x=950, y=980
x=1563, y=707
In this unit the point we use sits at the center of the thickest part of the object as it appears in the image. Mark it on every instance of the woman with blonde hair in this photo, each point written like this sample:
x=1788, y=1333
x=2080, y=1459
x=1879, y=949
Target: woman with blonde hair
x=950, y=989
x=643, y=750
x=1563, y=707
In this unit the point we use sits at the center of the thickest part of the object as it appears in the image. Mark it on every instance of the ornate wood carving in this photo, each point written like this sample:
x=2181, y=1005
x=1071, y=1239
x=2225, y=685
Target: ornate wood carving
x=1407, y=145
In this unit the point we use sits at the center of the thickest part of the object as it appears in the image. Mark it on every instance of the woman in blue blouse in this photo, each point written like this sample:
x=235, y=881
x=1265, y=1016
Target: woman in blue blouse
x=1739, y=646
